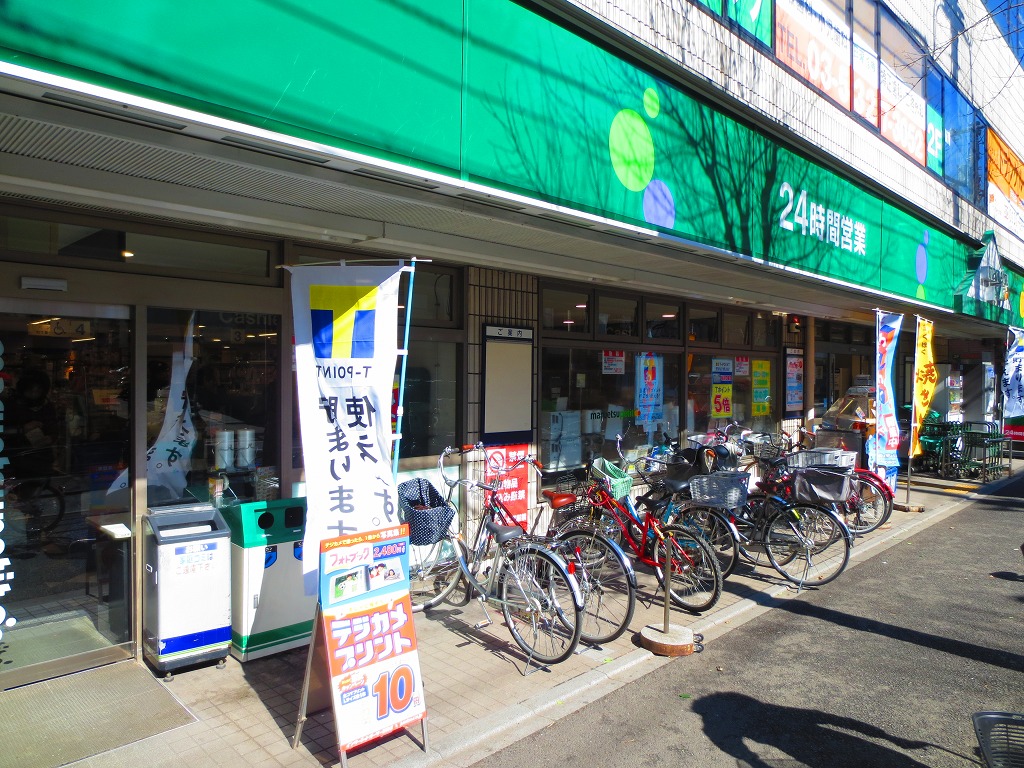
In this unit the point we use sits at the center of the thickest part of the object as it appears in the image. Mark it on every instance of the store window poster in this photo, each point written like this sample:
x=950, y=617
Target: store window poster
x=650, y=387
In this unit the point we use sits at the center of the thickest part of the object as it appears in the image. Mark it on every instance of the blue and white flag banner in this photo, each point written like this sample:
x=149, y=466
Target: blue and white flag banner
x=884, y=444
x=346, y=332
x=1013, y=385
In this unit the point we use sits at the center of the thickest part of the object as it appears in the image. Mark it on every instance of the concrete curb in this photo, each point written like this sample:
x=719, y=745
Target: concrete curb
x=488, y=734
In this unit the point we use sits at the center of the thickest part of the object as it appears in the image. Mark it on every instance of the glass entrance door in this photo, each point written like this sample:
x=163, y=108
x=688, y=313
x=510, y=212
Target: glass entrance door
x=65, y=540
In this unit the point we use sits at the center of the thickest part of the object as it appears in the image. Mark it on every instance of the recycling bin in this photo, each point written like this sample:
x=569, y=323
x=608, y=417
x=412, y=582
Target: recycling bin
x=270, y=611
x=186, y=600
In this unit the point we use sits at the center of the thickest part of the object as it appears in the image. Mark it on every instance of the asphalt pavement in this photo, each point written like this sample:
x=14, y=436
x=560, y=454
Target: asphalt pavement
x=883, y=667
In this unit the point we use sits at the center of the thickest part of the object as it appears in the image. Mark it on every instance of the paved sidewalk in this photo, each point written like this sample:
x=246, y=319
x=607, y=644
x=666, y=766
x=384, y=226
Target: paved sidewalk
x=477, y=696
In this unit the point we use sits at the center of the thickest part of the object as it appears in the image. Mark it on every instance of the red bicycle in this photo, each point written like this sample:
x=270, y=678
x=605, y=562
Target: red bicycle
x=684, y=564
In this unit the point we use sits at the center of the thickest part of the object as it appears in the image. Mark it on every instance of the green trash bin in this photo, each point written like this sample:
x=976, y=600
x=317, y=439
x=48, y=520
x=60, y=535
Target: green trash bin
x=269, y=611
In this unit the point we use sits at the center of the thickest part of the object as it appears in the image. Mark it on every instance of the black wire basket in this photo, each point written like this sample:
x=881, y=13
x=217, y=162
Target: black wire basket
x=423, y=507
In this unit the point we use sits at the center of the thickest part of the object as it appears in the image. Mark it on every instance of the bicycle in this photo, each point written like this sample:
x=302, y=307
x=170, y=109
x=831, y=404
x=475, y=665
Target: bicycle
x=540, y=599
x=699, y=501
x=683, y=563
x=36, y=503
x=871, y=500
x=805, y=542
x=604, y=573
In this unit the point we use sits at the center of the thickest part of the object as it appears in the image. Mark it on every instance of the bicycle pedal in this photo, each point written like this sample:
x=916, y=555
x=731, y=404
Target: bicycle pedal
x=482, y=624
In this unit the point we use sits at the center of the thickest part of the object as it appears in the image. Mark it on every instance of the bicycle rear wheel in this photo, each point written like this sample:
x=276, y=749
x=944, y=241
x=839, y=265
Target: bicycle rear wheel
x=609, y=598
x=717, y=534
x=807, y=545
x=694, y=575
x=869, y=507
x=434, y=572
x=539, y=606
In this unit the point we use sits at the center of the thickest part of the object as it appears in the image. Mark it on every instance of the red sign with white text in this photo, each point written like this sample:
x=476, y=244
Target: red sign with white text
x=514, y=485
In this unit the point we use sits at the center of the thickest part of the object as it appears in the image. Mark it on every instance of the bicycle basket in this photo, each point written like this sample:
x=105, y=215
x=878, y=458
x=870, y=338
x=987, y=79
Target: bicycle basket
x=621, y=483
x=725, y=490
x=822, y=485
x=815, y=457
x=763, y=449
x=423, y=507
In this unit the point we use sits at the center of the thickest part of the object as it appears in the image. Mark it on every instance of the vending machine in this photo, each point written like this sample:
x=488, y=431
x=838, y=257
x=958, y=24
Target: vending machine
x=949, y=393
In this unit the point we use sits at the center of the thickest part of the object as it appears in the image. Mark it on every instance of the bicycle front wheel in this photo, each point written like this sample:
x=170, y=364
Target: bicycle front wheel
x=539, y=606
x=869, y=507
x=609, y=598
x=694, y=578
x=40, y=506
x=807, y=545
x=434, y=572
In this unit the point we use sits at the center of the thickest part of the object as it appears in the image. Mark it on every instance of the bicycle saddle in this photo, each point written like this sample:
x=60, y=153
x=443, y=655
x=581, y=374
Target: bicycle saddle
x=503, y=533
x=678, y=483
x=559, y=500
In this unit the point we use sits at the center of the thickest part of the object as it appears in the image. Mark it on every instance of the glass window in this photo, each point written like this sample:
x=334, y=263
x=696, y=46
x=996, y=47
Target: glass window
x=662, y=320
x=865, y=60
x=565, y=311
x=212, y=394
x=618, y=316
x=902, y=88
x=839, y=333
x=936, y=132
x=765, y=327
x=435, y=301
x=590, y=396
x=430, y=420
x=722, y=389
x=964, y=156
x=702, y=325
x=736, y=328
x=134, y=251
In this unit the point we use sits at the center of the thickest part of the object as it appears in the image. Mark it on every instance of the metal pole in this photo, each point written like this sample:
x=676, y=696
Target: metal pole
x=401, y=379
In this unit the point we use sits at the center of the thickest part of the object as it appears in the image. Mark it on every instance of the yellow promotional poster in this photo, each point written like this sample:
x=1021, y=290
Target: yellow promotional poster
x=925, y=379
x=721, y=401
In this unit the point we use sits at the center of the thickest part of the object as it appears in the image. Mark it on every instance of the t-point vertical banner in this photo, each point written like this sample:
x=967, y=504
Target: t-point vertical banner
x=883, y=445
x=346, y=332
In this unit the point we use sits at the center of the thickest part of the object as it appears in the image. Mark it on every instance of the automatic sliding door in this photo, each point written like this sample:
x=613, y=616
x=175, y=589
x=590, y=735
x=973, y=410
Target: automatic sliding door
x=65, y=540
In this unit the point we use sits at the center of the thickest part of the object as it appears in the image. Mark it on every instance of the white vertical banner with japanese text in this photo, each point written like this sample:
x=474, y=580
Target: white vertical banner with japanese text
x=346, y=347
x=1013, y=385
x=884, y=444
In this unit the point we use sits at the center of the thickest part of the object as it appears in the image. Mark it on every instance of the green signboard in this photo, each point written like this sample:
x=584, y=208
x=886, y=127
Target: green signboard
x=488, y=91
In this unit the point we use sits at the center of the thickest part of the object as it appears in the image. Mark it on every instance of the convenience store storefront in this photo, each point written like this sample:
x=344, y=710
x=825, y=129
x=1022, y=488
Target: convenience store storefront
x=145, y=215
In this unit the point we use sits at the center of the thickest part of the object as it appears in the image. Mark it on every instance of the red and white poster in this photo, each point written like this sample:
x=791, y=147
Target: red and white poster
x=613, y=361
x=514, y=485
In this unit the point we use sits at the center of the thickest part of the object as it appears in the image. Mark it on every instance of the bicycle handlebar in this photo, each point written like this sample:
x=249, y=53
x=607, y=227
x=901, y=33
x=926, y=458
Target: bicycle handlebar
x=471, y=483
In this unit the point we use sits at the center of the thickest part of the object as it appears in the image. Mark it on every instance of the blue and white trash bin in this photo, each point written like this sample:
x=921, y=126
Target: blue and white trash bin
x=186, y=600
